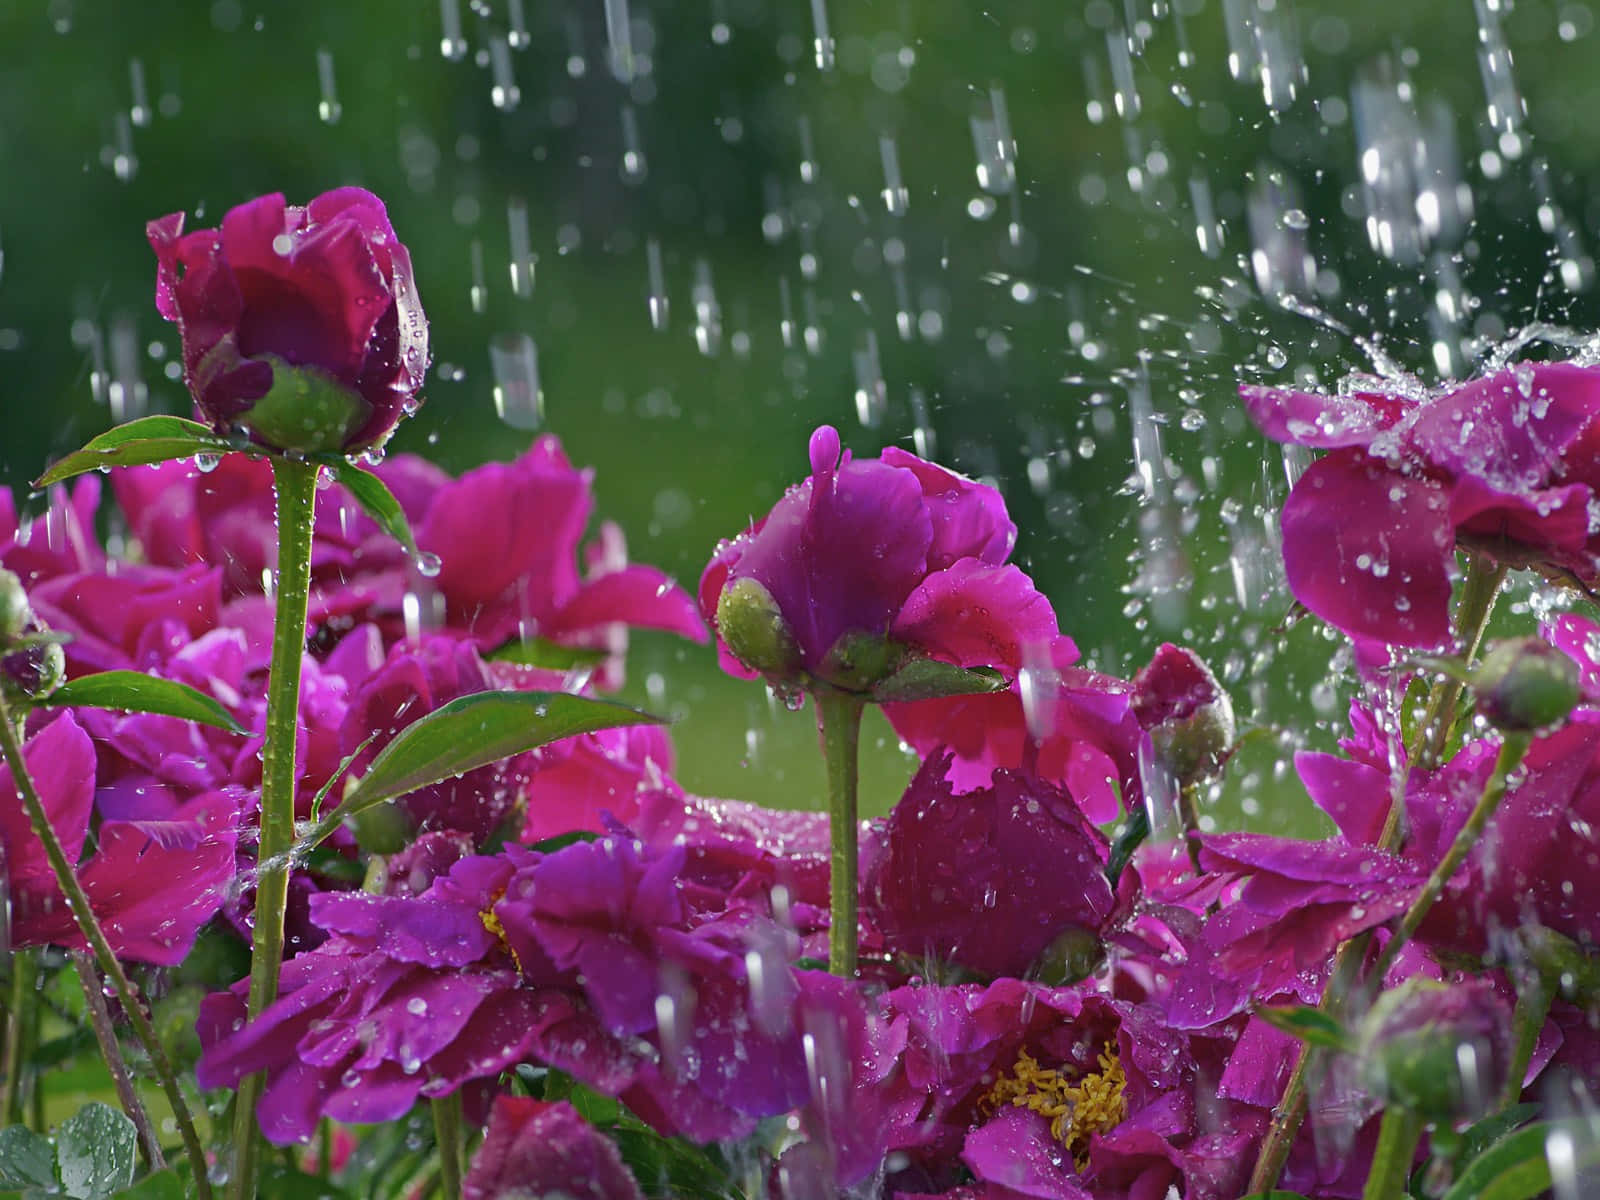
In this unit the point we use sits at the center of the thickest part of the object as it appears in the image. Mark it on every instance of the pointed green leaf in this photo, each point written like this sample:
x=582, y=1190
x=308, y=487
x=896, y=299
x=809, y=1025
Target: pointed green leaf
x=379, y=503
x=134, y=691
x=1308, y=1024
x=929, y=679
x=95, y=1148
x=26, y=1159
x=1129, y=837
x=147, y=440
x=471, y=732
x=1517, y=1167
x=171, y=1184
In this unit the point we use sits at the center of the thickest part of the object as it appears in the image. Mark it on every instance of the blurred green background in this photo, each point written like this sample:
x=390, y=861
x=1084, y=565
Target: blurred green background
x=1042, y=242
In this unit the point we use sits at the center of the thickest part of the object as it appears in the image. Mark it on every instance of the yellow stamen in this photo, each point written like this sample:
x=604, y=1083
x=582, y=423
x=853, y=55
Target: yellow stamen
x=491, y=922
x=1095, y=1104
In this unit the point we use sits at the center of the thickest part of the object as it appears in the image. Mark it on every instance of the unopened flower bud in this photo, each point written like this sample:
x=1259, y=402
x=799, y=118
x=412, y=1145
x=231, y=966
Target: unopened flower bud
x=15, y=611
x=1180, y=704
x=752, y=626
x=1440, y=1050
x=1525, y=684
x=33, y=672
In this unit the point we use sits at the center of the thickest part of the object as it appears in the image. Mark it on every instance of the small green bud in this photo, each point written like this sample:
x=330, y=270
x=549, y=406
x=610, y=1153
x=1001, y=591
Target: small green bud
x=306, y=411
x=15, y=611
x=751, y=624
x=33, y=672
x=1524, y=684
x=1075, y=954
x=857, y=661
x=1440, y=1050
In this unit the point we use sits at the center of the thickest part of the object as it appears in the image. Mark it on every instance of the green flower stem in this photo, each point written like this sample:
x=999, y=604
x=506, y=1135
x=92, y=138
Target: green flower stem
x=1534, y=995
x=1476, y=604
x=839, y=726
x=1478, y=593
x=89, y=926
x=1189, y=816
x=447, y=1132
x=94, y=1000
x=296, y=484
x=1398, y=1136
x=24, y=974
x=1512, y=750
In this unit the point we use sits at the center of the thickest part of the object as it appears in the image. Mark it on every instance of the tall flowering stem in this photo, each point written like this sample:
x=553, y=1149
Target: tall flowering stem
x=1478, y=593
x=1512, y=750
x=296, y=484
x=447, y=1131
x=839, y=725
x=1398, y=1136
x=89, y=926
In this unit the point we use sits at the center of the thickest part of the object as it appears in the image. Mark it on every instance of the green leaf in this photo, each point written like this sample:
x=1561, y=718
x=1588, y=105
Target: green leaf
x=1308, y=1024
x=378, y=501
x=1133, y=832
x=471, y=732
x=95, y=1149
x=540, y=652
x=134, y=691
x=26, y=1159
x=929, y=679
x=562, y=840
x=147, y=440
x=171, y=1184
x=282, y=1183
x=1517, y=1167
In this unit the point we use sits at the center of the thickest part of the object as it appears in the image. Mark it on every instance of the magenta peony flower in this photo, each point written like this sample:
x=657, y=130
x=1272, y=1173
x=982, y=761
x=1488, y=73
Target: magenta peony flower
x=1053, y=1093
x=509, y=537
x=1504, y=465
x=993, y=879
x=152, y=883
x=865, y=560
x=539, y=1148
x=588, y=960
x=301, y=326
x=1073, y=728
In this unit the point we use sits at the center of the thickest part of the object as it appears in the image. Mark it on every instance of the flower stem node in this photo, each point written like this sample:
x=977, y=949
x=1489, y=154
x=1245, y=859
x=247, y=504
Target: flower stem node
x=1438, y=1050
x=859, y=661
x=1524, y=684
x=752, y=625
x=306, y=411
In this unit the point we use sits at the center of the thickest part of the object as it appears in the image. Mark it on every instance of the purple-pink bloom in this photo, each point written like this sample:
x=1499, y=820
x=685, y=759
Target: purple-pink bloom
x=586, y=959
x=992, y=878
x=540, y=1148
x=509, y=538
x=151, y=883
x=1054, y=1093
x=325, y=289
x=890, y=548
x=1072, y=727
x=1502, y=465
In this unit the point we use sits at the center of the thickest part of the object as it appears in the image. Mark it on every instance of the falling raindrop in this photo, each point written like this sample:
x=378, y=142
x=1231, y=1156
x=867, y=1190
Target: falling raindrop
x=328, y=107
x=872, y=393
x=657, y=299
x=619, y=38
x=518, y=397
x=451, y=42
x=522, y=260
x=504, y=93
x=895, y=196
x=823, y=42
x=634, y=168
x=707, y=312
x=479, y=294
x=139, y=112
x=518, y=38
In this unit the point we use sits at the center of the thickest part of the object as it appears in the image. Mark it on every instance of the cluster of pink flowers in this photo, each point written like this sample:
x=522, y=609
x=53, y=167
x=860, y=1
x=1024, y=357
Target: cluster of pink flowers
x=1041, y=1011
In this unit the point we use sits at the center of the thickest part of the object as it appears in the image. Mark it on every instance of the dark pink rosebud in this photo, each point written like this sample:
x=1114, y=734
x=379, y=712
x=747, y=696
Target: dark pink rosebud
x=996, y=879
x=301, y=326
x=539, y=1148
x=1180, y=704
